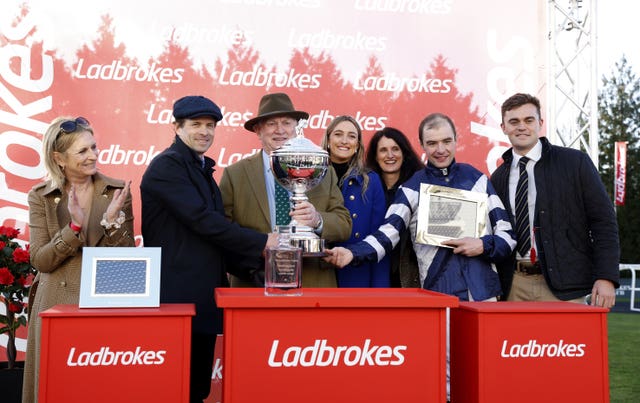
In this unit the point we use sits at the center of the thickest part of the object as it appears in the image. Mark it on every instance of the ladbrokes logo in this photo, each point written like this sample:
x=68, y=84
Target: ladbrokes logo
x=533, y=349
x=405, y=6
x=117, y=71
x=106, y=357
x=259, y=77
x=117, y=156
x=322, y=355
x=393, y=83
x=326, y=39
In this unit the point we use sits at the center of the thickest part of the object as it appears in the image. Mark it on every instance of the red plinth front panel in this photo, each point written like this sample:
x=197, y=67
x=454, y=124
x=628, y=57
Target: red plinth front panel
x=528, y=352
x=115, y=354
x=334, y=345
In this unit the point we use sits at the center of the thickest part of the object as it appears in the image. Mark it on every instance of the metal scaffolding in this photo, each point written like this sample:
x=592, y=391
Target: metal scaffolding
x=572, y=115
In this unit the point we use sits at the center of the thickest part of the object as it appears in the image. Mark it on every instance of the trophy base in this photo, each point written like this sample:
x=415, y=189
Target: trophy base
x=283, y=291
x=304, y=238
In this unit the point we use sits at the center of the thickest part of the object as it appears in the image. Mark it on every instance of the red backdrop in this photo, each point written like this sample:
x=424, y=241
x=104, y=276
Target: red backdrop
x=122, y=64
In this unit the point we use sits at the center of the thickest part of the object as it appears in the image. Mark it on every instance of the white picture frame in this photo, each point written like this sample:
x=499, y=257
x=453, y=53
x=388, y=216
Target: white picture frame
x=120, y=277
x=447, y=213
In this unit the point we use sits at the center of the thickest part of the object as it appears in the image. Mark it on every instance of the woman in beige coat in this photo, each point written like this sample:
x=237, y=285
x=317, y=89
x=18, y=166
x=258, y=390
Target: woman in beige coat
x=75, y=207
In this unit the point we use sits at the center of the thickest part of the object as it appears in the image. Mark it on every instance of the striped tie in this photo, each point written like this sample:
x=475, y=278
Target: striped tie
x=523, y=232
x=282, y=205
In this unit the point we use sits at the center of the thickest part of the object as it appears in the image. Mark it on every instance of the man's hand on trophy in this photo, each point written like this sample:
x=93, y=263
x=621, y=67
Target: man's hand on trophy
x=338, y=256
x=306, y=214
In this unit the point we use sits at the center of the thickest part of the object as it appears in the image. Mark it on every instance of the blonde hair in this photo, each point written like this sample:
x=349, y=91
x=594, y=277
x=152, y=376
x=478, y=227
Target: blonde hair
x=56, y=140
x=357, y=164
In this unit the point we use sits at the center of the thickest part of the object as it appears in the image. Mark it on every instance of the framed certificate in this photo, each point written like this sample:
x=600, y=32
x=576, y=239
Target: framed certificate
x=120, y=277
x=447, y=213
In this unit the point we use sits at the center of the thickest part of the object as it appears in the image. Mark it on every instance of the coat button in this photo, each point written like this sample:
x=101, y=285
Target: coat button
x=357, y=235
x=63, y=283
x=354, y=215
x=352, y=197
x=350, y=182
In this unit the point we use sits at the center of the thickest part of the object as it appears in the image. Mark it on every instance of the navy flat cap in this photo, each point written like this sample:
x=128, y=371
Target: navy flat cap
x=195, y=106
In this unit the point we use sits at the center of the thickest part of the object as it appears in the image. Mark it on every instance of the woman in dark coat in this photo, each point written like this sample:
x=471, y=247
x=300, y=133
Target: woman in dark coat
x=363, y=197
x=391, y=156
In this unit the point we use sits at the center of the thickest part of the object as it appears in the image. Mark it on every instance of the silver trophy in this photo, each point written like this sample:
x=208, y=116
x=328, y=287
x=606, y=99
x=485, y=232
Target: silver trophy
x=299, y=166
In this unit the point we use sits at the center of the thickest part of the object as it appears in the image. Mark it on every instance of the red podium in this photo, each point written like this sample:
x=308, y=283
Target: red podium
x=529, y=352
x=334, y=345
x=115, y=354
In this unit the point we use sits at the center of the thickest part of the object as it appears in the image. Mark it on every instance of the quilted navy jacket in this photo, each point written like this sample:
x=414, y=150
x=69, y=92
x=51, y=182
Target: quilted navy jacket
x=576, y=231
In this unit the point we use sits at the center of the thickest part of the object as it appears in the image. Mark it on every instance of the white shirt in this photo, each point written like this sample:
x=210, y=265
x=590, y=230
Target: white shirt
x=534, y=156
x=270, y=184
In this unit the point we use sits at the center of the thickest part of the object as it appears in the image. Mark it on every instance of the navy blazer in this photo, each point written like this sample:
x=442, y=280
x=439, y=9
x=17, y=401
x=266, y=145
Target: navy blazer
x=367, y=214
x=182, y=213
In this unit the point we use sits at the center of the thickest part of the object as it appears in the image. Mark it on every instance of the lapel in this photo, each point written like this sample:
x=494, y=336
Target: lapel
x=99, y=205
x=255, y=178
x=61, y=212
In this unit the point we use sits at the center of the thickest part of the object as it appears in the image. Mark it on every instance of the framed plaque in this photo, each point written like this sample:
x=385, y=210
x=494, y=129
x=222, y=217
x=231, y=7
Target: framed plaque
x=120, y=277
x=446, y=213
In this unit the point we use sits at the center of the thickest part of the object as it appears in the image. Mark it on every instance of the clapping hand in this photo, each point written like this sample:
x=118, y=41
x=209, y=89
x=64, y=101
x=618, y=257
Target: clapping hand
x=119, y=198
x=75, y=211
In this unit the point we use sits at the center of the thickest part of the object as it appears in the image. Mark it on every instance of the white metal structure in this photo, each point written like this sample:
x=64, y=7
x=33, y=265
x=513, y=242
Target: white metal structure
x=634, y=287
x=572, y=115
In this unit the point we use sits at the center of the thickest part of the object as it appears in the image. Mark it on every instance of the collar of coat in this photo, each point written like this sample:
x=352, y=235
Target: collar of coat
x=188, y=153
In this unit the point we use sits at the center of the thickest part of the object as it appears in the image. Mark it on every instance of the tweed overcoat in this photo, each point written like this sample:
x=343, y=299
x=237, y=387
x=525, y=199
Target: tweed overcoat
x=245, y=201
x=56, y=253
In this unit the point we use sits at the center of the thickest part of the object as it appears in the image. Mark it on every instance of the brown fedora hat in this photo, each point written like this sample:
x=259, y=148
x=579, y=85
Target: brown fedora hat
x=278, y=104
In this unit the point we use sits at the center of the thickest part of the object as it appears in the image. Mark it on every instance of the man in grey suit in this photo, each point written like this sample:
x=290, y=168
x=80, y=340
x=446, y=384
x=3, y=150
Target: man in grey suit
x=248, y=191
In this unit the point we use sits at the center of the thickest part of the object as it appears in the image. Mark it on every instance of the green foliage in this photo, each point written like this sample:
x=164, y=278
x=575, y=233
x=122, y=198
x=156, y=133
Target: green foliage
x=624, y=358
x=619, y=120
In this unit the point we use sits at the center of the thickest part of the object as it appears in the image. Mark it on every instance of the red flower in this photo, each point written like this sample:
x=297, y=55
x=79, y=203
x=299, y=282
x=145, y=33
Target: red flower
x=6, y=278
x=20, y=255
x=9, y=232
x=26, y=281
x=16, y=276
x=16, y=307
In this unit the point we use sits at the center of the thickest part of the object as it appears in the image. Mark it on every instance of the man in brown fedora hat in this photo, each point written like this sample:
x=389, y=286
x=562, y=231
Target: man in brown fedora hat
x=249, y=191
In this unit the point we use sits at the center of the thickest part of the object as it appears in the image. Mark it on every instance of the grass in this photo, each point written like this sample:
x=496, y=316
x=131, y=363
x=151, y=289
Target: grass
x=624, y=356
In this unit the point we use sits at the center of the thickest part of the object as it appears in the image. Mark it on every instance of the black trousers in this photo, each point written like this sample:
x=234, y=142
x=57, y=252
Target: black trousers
x=202, y=348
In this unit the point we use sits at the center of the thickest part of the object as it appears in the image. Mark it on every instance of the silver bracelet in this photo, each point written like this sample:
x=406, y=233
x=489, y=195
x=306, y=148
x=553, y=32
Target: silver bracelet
x=116, y=224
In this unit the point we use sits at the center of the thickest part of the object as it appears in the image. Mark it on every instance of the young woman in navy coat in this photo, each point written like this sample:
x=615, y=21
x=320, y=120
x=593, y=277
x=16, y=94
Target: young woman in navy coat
x=364, y=197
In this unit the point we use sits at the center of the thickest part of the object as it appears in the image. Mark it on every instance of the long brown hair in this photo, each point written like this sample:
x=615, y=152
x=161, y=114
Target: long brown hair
x=410, y=160
x=357, y=164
